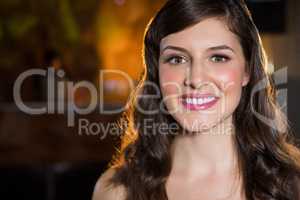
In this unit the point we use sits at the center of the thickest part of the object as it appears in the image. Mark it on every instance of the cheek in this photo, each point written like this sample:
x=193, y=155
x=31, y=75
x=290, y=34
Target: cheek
x=231, y=86
x=170, y=81
x=230, y=79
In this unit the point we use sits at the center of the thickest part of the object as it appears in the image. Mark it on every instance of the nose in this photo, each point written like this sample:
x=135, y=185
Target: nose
x=196, y=76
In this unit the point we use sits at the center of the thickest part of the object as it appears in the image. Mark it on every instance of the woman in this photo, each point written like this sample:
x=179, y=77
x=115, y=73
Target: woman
x=232, y=141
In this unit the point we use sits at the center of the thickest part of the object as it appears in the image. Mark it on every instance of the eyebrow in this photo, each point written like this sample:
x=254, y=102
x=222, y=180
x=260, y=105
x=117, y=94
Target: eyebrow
x=220, y=47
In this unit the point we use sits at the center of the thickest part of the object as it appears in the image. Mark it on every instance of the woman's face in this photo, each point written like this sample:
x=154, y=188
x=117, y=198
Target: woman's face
x=201, y=74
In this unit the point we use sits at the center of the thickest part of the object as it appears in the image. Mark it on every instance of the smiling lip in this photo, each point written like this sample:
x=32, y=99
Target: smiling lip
x=198, y=101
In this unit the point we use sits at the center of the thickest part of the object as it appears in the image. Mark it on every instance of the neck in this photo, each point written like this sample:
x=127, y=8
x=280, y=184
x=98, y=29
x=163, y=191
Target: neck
x=206, y=153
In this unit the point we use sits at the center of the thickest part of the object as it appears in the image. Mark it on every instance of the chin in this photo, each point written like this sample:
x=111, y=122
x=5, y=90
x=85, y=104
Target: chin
x=199, y=127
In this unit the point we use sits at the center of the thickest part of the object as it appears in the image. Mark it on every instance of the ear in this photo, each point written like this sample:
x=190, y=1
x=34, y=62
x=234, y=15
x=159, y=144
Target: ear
x=246, y=79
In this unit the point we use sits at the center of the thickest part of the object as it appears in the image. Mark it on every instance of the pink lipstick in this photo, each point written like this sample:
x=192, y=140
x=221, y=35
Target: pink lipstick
x=198, y=101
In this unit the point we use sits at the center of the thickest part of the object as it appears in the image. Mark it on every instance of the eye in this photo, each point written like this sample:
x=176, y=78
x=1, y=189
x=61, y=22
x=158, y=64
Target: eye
x=175, y=60
x=219, y=58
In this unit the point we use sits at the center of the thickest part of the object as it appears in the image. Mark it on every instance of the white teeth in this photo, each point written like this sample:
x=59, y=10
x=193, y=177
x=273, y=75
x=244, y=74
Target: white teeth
x=199, y=100
x=194, y=101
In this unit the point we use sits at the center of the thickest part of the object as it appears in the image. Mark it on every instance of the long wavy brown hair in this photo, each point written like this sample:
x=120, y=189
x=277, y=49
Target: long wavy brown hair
x=268, y=156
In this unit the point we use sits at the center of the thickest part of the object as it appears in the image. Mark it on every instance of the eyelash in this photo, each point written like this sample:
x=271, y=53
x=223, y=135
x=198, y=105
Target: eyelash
x=169, y=59
x=220, y=56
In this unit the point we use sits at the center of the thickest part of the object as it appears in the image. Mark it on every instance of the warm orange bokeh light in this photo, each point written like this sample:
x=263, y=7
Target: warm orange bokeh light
x=120, y=39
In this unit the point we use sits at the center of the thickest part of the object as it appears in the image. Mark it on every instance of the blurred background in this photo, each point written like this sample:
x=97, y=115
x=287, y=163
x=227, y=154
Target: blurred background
x=44, y=156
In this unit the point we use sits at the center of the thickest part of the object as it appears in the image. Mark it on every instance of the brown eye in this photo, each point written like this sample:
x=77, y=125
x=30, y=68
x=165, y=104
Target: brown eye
x=219, y=58
x=176, y=60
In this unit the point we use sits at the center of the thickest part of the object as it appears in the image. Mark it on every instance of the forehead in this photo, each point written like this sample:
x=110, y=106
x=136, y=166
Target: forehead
x=206, y=33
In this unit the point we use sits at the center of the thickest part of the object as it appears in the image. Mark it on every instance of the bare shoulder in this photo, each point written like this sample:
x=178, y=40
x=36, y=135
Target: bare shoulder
x=104, y=191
